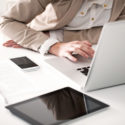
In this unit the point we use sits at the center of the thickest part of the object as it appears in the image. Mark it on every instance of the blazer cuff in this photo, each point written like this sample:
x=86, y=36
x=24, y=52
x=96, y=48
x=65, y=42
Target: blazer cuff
x=44, y=49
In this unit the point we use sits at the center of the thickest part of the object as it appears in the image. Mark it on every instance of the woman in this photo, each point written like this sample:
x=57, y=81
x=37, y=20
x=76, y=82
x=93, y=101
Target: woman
x=59, y=27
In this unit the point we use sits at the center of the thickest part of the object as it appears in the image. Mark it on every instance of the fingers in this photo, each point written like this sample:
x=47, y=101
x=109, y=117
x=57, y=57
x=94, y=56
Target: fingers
x=88, y=50
x=11, y=43
x=70, y=57
x=87, y=43
x=17, y=46
x=83, y=48
x=82, y=53
x=8, y=43
x=65, y=49
x=82, y=42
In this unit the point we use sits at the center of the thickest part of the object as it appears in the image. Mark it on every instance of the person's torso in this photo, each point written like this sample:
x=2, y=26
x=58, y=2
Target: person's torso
x=62, y=13
x=93, y=13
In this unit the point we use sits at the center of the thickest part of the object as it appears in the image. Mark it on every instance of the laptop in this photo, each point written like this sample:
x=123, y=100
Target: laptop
x=106, y=69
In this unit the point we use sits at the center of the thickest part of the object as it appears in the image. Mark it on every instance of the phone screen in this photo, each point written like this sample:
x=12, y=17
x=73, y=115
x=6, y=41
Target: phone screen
x=23, y=62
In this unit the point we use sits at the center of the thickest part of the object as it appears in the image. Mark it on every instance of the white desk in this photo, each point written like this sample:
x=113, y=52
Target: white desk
x=114, y=96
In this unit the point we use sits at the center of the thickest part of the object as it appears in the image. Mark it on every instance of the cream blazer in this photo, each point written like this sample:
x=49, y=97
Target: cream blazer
x=27, y=21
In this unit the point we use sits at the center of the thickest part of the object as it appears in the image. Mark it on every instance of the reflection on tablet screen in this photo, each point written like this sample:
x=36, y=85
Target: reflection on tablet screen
x=56, y=107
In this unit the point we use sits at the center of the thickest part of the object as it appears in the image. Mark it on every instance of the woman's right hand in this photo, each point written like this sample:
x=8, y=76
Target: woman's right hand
x=65, y=49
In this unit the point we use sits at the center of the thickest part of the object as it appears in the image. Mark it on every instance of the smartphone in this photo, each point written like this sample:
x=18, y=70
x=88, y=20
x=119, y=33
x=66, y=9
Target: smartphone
x=25, y=63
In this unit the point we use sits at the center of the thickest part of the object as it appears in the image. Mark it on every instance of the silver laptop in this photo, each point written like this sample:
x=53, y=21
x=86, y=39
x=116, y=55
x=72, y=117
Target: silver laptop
x=106, y=69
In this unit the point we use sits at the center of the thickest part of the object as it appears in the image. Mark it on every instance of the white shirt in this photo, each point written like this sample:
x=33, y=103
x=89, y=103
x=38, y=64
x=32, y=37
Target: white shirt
x=93, y=13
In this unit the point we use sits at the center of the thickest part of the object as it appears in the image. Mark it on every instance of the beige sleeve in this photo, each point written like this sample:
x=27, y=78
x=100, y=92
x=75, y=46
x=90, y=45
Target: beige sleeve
x=13, y=23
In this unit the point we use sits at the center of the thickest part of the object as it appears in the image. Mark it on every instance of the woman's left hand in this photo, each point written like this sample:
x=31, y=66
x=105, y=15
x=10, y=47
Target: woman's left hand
x=11, y=43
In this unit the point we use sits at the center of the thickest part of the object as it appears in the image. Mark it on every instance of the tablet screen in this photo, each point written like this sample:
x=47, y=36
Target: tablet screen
x=56, y=107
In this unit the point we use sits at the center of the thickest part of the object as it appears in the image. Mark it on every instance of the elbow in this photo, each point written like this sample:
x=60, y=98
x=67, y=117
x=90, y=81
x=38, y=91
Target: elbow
x=3, y=22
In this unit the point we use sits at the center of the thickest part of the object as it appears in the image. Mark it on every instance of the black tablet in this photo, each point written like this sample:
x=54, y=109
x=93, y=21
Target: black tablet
x=56, y=107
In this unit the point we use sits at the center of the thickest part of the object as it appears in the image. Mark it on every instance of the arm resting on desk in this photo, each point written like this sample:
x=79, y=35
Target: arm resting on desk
x=14, y=23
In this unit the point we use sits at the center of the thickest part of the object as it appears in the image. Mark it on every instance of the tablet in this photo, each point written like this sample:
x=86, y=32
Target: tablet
x=56, y=107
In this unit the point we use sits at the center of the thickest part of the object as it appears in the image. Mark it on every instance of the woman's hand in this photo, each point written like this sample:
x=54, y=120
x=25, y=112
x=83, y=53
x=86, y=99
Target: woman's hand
x=65, y=49
x=11, y=43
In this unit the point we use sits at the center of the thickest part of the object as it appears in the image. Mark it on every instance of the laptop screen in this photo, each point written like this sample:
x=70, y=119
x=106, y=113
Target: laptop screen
x=56, y=107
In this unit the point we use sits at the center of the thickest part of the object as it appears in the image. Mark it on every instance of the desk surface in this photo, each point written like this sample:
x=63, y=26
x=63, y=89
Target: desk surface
x=114, y=96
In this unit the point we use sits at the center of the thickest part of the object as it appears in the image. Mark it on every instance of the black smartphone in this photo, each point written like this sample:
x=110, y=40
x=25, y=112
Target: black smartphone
x=25, y=63
x=56, y=107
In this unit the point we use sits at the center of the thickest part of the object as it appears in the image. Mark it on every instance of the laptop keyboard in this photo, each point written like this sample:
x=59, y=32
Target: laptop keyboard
x=84, y=70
